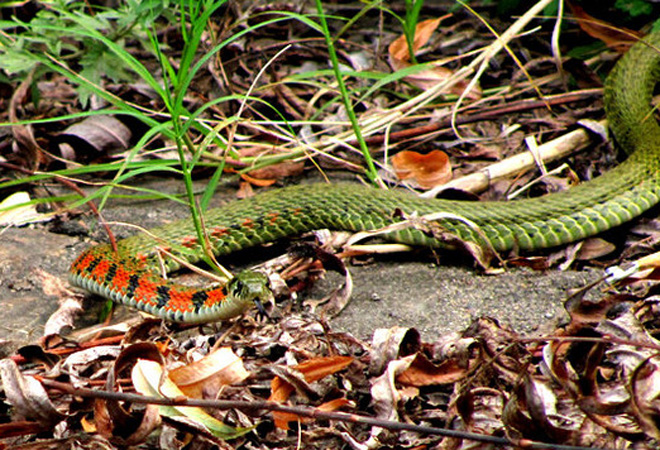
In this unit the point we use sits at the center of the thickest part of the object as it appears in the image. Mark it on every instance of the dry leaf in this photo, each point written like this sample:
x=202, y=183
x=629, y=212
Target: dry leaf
x=312, y=370
x=121, y=422
x=399, y=59
x=219, y=368
x=616, y=38
x=275, y=172
x=16, y=210
x=423, y=372
x=27, y=396
x=268, y=175
x=149, y=379
x=398, y=49
x=97, y=136
x=428, y=170
x=594, y=248
x=389, y=344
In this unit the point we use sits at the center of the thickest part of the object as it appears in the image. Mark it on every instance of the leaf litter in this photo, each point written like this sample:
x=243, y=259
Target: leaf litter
x=590, y=383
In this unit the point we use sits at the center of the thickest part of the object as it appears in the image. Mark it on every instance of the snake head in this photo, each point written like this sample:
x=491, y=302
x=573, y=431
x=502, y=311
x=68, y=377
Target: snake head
x=249, y=287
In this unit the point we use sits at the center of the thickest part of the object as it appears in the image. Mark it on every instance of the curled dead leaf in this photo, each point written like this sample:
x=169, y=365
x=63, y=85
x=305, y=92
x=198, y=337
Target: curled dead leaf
x=219, y=368
x=312, y=370
x=119, y=422
x=423, y=372
x=389, y=344
x=94, y=137
x=27, y=396
x=429, y=170
x=616, y=38
x=430, y=76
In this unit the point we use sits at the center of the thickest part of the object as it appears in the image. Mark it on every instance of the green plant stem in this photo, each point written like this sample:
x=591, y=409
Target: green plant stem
x=371, y=171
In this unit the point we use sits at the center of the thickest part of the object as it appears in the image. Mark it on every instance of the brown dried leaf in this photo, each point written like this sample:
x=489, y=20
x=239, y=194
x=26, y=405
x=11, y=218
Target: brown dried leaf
x=275, y=172
x=105, y=425
x=594, y=248
x=429, y=170
x=217, y=369
x=423, y=372
x=398, y=49
x=312, y=370
x=27, y=396
x=268, y=175
x=399, y=58
x=117, y=421
x=616, y=38
x=98, y=135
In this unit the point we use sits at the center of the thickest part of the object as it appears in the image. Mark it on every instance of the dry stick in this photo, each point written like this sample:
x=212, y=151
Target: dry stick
x=22, y=428
x=480, y=63
x=480, y=180
x=486, y=114
x=255, y=407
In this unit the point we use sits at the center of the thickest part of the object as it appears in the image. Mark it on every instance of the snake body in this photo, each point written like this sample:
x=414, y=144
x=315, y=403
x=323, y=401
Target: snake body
x=132, y=275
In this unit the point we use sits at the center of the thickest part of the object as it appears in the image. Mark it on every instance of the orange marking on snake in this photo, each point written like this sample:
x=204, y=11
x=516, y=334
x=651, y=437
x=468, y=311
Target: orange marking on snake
x=180, y=300
x=272, y=217
x=248, y=223
x=219, y=232
x=214, y=297
x=121, y=278
x=189, y=241
x=101, y=269
x=146, y=291
x=83, y=261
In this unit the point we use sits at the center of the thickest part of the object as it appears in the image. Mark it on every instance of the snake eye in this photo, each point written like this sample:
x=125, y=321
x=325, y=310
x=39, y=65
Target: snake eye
x=238, y=286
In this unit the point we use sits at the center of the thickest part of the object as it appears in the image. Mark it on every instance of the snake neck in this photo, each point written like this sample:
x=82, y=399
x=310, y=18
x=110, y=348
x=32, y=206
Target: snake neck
x=628, y=94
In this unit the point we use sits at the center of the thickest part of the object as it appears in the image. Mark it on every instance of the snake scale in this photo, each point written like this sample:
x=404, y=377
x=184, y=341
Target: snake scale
x=133, y=274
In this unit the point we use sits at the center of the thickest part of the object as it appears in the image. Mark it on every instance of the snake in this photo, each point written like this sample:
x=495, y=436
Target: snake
x=134, y=273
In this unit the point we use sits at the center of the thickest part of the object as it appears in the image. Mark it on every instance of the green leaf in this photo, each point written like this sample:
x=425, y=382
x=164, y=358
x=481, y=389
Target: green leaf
x=15, y=63
x=635, y=7
x=147, y=377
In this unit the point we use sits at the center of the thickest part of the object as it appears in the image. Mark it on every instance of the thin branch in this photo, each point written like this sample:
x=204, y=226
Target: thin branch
x=255, y=408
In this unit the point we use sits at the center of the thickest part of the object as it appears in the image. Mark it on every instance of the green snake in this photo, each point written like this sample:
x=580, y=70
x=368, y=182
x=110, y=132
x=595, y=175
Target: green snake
x=133, y=274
